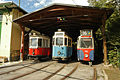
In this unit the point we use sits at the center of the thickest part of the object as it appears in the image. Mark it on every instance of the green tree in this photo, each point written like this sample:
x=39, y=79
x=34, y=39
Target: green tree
x=112, y=28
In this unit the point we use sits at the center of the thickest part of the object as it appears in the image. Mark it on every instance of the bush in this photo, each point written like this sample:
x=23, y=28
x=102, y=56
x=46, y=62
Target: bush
x=114, y=56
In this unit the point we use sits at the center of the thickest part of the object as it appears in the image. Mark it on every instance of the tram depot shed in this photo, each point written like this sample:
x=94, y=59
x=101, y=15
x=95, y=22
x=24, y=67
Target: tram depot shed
x=75, y=18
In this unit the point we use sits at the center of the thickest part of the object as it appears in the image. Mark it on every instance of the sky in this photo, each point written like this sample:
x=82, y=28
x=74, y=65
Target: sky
x=32, y=5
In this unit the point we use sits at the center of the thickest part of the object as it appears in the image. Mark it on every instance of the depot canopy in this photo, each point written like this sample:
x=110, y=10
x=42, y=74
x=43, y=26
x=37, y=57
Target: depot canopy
x=70, y=18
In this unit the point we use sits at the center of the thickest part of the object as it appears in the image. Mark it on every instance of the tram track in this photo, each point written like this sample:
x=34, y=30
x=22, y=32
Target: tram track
x=59, y=72
x=95, y=74
x=20, y=63
x=47, y=78
x=70, y=72
x=30, y=72
x=16, y=69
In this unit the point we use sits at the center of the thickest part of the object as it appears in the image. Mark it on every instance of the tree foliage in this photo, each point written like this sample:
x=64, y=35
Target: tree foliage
x=112, y=28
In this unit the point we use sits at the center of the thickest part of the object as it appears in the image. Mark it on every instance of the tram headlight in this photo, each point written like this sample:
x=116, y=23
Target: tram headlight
x=58, y=52
x=86, y=55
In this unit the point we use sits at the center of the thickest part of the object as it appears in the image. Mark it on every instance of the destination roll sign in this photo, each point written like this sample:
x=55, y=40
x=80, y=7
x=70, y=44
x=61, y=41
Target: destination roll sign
x=86, y=32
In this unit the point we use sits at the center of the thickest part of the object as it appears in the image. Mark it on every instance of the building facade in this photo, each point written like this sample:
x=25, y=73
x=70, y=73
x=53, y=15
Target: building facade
x=10, y=32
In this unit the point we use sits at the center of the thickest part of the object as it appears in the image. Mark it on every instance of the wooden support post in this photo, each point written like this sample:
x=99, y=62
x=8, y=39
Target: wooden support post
x=22, y=45
x=104, y=40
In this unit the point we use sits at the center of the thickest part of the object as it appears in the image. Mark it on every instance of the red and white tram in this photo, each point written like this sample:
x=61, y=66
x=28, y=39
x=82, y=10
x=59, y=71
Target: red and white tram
x=39, y=46
x=85, y=46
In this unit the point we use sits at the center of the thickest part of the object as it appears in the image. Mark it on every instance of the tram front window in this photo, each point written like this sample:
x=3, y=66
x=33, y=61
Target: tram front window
x=34, y=42
x=59, y=41
x=86, y=43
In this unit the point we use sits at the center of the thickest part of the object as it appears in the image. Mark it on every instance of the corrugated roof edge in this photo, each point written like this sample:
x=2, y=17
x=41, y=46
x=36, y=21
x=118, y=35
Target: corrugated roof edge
x=60, y=4
x=14, y=4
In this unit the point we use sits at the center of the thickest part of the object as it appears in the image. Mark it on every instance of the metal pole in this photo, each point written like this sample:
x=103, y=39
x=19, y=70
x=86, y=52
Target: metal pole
x=19, y=3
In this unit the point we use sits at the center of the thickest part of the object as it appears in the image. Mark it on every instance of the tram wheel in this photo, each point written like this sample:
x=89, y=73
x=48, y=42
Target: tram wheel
x=90, y=64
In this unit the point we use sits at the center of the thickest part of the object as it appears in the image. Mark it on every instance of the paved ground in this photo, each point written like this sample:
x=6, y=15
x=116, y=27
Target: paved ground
x=113, y=73
x=51, y=70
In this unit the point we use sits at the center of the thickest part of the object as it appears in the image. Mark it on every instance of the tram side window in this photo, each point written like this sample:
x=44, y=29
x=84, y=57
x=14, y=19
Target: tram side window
x=40, y=42
x=59, y=41
x=46, y=43
x=69, y=42
x=66, y=41
x=43, y=42
x=33, y=42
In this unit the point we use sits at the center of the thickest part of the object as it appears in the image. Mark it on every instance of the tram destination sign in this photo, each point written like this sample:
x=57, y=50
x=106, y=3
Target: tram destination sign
x=86, y=32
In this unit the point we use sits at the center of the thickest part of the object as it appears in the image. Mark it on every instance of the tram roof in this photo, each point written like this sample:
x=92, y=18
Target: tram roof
x=40, y=36
x=76, y=17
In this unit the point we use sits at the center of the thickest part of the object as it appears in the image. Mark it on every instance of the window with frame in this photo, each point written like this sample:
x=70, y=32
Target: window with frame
x=69, y=42
x=86, y=43
x=59, y=41
x=66, y=41
x=43, y=42
x=46, y=43
x=33, y=42
x=40, y=42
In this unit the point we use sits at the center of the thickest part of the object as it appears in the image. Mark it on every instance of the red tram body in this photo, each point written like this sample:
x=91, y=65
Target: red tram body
x=85, y=46
x=39, y=52
x=39, y=46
